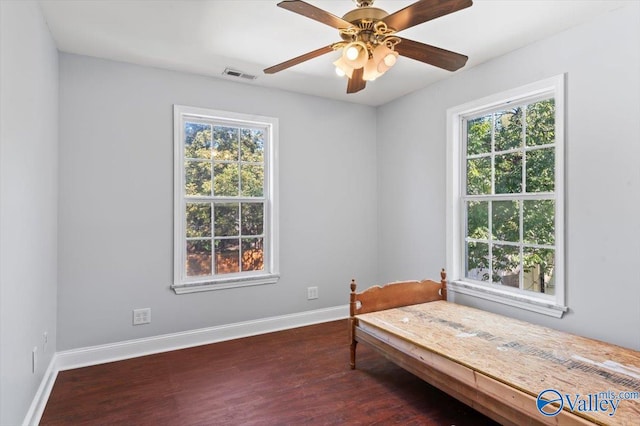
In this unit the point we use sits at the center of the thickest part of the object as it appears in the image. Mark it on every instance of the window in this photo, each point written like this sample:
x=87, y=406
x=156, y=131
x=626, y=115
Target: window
x=506, y=205
x=225, y=217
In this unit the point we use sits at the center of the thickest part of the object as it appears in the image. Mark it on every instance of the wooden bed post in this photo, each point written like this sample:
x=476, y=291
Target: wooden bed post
x=443, y=280
x=352, y=324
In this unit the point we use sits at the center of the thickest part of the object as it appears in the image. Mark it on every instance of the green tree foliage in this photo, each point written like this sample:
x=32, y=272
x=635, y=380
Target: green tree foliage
x=198, y=220
x=239, y=162
x=228, y=162
x=540, y=171
x=541, y=123
x=539, y=222
x=479, y=135
x=508, y=173
x=505, y=223
x=502, y=147
x=197, y=154
x=479, y=176
x=508, y=129
x=478, y=229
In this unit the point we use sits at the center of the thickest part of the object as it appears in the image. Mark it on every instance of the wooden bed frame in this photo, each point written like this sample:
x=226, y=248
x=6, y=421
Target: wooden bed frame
x=392, y=295
x=499, y=398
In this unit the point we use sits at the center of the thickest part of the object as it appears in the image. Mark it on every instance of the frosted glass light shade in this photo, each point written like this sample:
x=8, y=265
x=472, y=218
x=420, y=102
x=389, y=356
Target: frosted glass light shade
x=342, y=68
x=371, y=71
x=384, y=57
x=390, y=59
x=352, y=53
x=355, y=54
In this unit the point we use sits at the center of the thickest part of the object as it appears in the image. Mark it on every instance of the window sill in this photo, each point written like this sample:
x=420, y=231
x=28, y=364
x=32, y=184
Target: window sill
x=225, y=283
x=507, y=298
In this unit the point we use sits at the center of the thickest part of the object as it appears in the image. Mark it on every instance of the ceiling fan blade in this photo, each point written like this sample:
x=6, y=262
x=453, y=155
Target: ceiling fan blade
x=423, y=11
x=317, y=14
x=431, y=55
x=356, y=82
x=299, y=59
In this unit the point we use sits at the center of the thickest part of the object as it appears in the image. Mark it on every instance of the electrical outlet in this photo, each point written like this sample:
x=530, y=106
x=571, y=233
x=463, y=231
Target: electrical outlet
x=141, y=316
x=312, y=293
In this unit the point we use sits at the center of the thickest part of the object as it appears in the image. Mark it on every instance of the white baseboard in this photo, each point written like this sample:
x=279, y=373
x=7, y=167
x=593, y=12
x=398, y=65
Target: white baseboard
x=42, y=395
x=94, y=355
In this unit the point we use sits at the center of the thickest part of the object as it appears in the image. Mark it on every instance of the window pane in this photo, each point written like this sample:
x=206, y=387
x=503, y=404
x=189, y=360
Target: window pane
x=478, y=220
x=197, y=178
x=539, y=221
x=252, y=254
x=198, y=258
x=509, y=173
x=506, y=265
x=507, y=161
x=225, y=143
x=479, y=176
x=539, y=265
x=540, y=170
x=477, y=261
x=252, y=145
x=198, y=220
x=197, y=142
x=226, y=220
x=226, y=180
x=508, y=129
x=226, y=196
x=252, y=218
x=479, y=135
x=505, y=220
x=541, y=123
x=227, y=256
x=252, y=180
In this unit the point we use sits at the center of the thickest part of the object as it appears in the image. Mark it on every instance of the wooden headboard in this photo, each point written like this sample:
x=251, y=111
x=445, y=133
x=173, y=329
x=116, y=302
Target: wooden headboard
x=390, y=296
x=396, y=294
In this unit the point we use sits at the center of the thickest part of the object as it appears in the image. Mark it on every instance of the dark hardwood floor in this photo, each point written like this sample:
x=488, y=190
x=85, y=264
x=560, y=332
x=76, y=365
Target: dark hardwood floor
x=293, y=377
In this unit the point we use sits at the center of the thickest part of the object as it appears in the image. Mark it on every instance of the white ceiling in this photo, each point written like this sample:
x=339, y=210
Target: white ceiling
x=205, y=37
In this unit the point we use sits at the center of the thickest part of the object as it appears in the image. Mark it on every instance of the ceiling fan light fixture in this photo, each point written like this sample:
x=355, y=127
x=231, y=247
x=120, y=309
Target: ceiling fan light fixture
x=371, y=71
x=355, y=54
x=352, y=53
x=390, y=59
x=387, y=62
x=342, y=68
x=384, y=57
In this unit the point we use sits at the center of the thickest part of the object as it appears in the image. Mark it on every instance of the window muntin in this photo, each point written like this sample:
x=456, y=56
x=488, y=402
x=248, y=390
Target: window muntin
x=225, y=199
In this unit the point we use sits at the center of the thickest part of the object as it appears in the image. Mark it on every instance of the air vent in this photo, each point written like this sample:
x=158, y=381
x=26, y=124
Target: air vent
x=239, y=74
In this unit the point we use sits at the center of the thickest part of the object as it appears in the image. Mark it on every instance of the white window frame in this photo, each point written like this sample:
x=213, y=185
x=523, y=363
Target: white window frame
x=553, y=305
x=270, y=275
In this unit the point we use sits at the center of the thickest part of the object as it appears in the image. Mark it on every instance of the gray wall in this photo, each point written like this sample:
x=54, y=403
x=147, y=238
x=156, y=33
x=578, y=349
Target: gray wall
x=28, y=203
x=602, y=61
x=116, y=201
x=97, y=226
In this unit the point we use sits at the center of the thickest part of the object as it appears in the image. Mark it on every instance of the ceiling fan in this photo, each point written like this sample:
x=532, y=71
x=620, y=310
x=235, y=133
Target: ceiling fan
x=369, y=42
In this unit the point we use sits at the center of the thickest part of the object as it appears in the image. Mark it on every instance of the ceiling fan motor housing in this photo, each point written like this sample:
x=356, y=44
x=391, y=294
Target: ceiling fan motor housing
x=364, y=19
